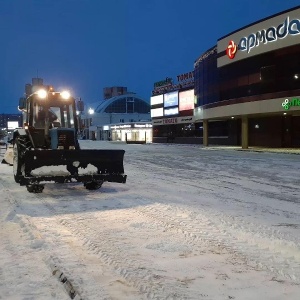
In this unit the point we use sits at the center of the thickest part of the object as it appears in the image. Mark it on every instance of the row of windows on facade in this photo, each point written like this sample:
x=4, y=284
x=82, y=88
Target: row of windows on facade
x=267, y=73
x=220, y=128
x=128, y=105
x=89, y=122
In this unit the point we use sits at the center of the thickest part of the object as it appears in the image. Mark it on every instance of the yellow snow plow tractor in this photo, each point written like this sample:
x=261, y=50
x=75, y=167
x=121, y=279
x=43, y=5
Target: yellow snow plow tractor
x=46, y=148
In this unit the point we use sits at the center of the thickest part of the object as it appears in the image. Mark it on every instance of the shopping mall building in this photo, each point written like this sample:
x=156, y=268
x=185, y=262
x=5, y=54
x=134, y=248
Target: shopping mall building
x=246, y=88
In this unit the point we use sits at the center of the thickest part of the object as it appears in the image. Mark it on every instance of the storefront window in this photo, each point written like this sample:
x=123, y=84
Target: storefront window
x=128, y=105
x=271, y=72
x=207, y=80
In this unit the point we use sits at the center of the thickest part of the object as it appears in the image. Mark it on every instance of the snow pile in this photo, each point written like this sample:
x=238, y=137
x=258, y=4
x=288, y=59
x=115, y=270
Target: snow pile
x=90, y=169
x=51, y=171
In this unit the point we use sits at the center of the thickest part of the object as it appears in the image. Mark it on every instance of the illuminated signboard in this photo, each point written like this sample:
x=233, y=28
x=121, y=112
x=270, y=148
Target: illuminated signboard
x=185, y=76
x=288, y=103
x=170, y=121
x=142, y=125
x=289, y=27
x=171, y=111
x=269, y=34
x=185, y=81
x=272, y=34
x=157, y=112
x=157, y=100
x=164, y=82
x=171, y=99
x=231, y=49
x=186, y=100
x=120, y=126
x=12, y=124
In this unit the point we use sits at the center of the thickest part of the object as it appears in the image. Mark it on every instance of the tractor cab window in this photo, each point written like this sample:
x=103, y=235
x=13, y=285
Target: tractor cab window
x=54, y=116
x=39, y=116
x=67, y=116
x=43, y=114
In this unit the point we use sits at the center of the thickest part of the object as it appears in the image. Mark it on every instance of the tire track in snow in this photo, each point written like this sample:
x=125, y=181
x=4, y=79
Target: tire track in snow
x=132, y=270
x=34, y=238
x=195, y=231
x=53, y=255
x=262, y=248
x=54, y=264
x=175, y=218
x=88, y=286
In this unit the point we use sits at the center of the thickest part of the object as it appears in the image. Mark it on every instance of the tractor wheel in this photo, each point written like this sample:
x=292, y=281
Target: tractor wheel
x=93, y=185
x=17, y=161
x=35, y=188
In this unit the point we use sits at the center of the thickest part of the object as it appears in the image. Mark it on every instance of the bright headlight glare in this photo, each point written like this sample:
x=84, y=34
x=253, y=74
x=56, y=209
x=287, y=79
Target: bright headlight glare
x=65, y=95
x=42, y=94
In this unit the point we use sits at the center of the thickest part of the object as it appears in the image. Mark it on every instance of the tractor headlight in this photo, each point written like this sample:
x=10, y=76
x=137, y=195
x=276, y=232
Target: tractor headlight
x=42, y=94
x=65, y=95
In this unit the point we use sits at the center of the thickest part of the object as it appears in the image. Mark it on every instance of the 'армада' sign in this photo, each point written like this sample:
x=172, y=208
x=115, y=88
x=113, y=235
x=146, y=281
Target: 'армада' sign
x=288, y=27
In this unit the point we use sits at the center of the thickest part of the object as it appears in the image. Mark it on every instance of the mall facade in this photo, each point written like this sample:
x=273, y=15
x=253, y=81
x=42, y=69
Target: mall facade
x=246, y=89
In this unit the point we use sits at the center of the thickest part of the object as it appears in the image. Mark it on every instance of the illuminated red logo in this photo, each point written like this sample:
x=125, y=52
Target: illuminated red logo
x=231, y=49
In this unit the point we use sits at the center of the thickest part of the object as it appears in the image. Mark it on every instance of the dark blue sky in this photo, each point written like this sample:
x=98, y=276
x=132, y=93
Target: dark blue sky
x=86, y=45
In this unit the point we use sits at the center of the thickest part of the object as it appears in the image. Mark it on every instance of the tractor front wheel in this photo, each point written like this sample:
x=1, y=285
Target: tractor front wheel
x=93, y=185
x=35, y=188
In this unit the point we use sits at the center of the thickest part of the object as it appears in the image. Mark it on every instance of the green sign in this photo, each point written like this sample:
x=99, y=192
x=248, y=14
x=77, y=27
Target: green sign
x=287, y=103
x=163, y=82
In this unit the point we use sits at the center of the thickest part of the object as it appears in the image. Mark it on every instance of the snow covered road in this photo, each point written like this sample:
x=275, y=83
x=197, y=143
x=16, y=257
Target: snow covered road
x=190, y=223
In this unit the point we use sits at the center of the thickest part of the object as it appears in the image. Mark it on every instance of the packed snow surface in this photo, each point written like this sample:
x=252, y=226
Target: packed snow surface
x=190, y=223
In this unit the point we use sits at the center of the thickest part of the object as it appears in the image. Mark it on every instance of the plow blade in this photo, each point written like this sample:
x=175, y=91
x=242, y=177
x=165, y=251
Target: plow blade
x=73, y=165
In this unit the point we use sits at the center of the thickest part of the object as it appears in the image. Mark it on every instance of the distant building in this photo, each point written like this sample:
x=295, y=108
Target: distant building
x=246, y=90
x=10, y=121
x=247, y=87
x=106, y=120
x=172, y=109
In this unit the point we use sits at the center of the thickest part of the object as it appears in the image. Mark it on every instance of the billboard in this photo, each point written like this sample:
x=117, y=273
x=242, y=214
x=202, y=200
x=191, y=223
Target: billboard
x=12, y=124
x=159, y=99
x=171, y=111
x=171, y=99
x=186, y=100
x=157, y=112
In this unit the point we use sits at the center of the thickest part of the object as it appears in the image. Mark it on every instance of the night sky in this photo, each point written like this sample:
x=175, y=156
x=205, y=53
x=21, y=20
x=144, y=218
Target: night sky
x=86, y=45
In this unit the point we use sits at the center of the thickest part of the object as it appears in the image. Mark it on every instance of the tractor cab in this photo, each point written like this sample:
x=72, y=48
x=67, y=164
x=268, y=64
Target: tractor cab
x=51, y=120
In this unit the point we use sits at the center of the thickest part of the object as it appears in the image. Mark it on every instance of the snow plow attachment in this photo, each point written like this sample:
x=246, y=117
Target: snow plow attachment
x=61, y=166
